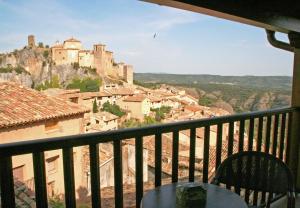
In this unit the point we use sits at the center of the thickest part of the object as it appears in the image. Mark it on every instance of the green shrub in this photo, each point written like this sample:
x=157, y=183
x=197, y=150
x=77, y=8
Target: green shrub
x=113, y=108
x=54, y=83
x=205, y=101
x=10, y=69
x=56, y=202
x=85, y=85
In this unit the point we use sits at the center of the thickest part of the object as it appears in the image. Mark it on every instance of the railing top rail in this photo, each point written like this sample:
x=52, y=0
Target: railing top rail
x=39, y=145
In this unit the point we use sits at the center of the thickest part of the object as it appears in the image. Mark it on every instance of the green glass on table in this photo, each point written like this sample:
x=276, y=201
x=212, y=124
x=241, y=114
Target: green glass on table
x=190, y=195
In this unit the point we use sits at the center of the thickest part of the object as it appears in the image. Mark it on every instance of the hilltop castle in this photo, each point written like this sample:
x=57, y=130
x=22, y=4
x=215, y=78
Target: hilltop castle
x=71, y=51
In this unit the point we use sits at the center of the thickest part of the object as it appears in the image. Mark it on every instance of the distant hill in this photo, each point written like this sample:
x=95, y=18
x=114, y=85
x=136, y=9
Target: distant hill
x=240, y=93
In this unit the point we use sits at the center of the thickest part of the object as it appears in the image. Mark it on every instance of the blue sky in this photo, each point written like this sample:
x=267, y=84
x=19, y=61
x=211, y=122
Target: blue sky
x=186, y=43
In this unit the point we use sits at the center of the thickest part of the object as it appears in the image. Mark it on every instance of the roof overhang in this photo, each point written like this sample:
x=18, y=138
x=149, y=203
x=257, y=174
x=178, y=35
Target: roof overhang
x=277, y=15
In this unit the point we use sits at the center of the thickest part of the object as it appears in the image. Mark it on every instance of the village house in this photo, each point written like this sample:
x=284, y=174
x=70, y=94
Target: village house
x=27, y=114
x=119, y=93
x=101, y=121
x=155, y=102
x=83, y=98
x=138, y=105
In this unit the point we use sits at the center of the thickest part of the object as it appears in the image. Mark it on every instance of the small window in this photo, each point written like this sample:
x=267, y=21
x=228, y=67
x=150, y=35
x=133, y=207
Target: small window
x=51, y=126
x=50, y=187
x=18, y=173
x=52, y=164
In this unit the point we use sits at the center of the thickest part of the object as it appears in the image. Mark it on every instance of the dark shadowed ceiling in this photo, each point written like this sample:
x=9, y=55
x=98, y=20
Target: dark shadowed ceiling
x=277, y=15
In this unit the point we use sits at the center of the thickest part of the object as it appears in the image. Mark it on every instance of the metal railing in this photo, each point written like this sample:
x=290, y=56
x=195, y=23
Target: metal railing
x=267, y=131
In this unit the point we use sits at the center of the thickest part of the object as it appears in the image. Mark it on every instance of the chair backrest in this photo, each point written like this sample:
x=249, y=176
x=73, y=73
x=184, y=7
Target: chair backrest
x=256, y=176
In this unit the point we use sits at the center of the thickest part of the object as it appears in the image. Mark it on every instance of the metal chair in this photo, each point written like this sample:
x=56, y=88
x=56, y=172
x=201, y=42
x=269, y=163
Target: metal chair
x=258, y=177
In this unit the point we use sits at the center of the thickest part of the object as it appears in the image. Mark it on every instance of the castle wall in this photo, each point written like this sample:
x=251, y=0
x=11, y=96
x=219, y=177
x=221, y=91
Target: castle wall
x=86, y=58
x=59, y=56
x=72, y=56
x=72, y=45
x=120, y=69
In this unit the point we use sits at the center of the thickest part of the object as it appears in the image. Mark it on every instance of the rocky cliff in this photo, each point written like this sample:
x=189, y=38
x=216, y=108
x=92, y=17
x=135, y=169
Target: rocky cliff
x=31, y=67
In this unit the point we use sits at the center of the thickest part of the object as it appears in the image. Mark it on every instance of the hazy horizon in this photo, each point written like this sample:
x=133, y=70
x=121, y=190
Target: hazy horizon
x=185, y=42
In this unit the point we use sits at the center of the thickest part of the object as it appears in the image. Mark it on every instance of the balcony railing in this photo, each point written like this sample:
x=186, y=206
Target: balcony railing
x=267, y=131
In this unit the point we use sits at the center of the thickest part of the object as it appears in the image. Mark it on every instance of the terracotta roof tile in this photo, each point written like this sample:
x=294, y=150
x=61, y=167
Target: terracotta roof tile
x=135, y=98
x=120, y=91
x=20, y=105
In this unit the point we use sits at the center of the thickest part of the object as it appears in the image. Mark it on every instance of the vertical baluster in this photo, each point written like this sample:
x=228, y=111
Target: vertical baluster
x=230, y=147
x=157, y=159
x=282, y=135
x=118, y=171
x=268, y=134
x=248, y=167
x=7, y=182
x=175, y=151
x=259, y=133
x=230, y=138
x=258, y=148
x=288, y=138
x=267, y=146
x=206, y=153
x=251, y=134
x=40, y=179
x=275, y=135
x=68, y=164
x=95, y=175
x=241, y=148
x=219, y=145
x=241, y=135
x=192, y=155
x=139, y=170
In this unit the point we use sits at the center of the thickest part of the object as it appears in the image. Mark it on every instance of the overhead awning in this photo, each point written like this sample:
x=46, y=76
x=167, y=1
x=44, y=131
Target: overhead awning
x=277, y=15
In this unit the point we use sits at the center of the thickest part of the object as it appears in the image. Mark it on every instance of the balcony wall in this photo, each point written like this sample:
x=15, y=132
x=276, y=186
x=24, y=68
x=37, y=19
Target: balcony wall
x=267, y=131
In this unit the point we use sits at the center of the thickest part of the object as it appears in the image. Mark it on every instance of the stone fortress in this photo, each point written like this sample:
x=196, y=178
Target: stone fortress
x=72, y=52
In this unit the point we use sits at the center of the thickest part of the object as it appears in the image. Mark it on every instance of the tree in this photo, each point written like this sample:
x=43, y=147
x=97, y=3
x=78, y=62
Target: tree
x=41, y=45
x=95, y=106
x=46, y=54
x=161, y=112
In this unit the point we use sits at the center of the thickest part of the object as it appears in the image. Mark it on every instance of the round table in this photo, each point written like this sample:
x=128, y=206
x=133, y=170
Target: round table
x=217, y=197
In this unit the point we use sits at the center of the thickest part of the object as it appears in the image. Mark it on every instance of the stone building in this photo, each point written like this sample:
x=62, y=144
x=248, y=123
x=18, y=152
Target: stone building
x=71, y=52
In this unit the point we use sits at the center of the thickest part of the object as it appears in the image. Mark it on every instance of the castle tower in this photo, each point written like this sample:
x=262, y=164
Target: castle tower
x=128, y=74
x=99, y=58
x=31, y=41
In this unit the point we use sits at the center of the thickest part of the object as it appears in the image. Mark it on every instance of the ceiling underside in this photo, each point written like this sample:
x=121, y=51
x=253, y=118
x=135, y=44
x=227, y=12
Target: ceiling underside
x=276, y=15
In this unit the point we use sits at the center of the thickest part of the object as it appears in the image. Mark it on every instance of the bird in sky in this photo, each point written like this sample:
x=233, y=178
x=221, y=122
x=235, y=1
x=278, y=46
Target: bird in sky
x=154, y=36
